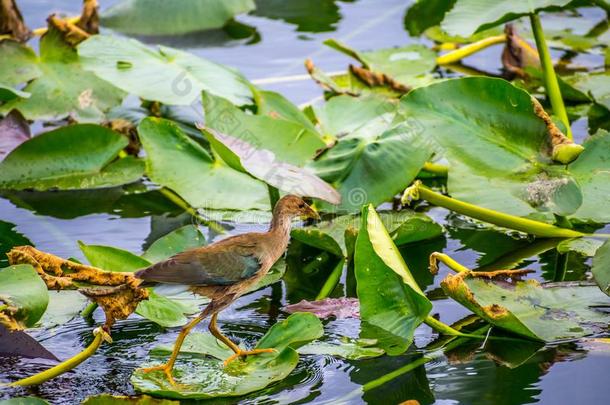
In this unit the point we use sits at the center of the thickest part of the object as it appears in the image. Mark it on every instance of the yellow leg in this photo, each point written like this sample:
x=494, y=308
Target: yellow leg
x=238, y=351
x=167, y=367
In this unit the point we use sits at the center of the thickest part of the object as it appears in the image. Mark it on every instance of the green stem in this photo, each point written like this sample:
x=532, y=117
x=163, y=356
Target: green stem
x=561, y=266
x=541, y=229
x=550, y=78
x=467, y=50
x=176, y=199
x=89, y=309
x=433, y=170
x=65, y=365
x=274, y=195
x=331, y=281
x=436, y=257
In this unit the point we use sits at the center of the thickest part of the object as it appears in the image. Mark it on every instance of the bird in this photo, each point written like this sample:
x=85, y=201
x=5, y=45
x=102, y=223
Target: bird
x=225, y=270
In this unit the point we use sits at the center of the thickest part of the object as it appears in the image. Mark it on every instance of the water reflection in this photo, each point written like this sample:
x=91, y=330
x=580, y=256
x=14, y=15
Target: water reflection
x=307, y=15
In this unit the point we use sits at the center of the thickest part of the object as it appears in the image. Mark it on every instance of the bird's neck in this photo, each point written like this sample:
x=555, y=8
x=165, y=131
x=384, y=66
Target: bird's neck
x=280, y=229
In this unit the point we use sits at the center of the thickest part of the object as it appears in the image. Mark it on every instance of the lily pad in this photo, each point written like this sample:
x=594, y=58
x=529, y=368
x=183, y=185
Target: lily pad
x=347, y=348
x=7, y=93
x=63, y=307
x=71, y=157
x=470, y=16
x=23, y=297
x=200, y=376
x=177, y=162
x=263, y=165
x=59, y=87
x=290, y=141
x=424, y=14
x=158, y=17
x=107, y=399
x=389, y=296
x=500, y=158
x=601, y=267
x=164, y=74
x=274, y=105
x=179, y=240
x=547, y=313
x=583, y=246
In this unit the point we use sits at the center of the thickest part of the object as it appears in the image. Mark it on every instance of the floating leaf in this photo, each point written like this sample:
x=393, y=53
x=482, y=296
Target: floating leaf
x=470, y=16
x=263, y=165
x=107, y=399
x=583, y=246
x=8, y=93
x=23, y=297
x=541, y=312
x=60, y=86
x=113, y=259
x=390, y=299
x=177, y=162
x=200, y=376
x=338, y=307
x=25, y=401
x=164, y=74
x=601, y=267
x=501, y=157
x=179, y=240
x=72, y=157
x=274, y=105
x=158, y=17
x=63, y=307
x=351, y=349
x=424, y=14
x=290, y=141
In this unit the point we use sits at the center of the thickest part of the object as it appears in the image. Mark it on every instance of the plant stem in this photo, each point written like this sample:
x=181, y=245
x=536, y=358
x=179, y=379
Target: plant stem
x=67, y=365
x=436, y=257
x=89, y=309
x=550, y=78
x=467, y=50
x=274, y=195
x=561, y=266
x=176, y=199
x=434, y=170
x=332, y=281
x=541, y=229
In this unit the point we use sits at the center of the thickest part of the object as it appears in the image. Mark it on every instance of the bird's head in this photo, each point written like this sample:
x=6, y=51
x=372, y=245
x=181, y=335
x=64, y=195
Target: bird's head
x=294, y=206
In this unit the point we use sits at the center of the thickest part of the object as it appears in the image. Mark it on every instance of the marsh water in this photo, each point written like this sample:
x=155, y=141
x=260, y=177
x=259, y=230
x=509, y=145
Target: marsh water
x=273, y=42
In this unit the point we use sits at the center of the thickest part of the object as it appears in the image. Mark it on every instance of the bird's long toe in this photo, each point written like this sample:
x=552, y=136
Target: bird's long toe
x=244, y=353
x=167, y=370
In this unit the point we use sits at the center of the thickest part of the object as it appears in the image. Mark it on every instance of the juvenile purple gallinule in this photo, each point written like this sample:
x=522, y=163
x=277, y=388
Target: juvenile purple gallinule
x=225, y=270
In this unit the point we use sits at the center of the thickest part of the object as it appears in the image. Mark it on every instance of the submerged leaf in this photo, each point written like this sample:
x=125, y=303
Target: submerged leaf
x=71, y=157
x=338, y=307
x=389, y=296
x=23, y=297
x=159, y=17
x=200, y=376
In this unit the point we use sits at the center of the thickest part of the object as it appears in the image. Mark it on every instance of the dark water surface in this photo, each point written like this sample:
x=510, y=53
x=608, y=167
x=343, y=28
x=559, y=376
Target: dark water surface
x=284, y=34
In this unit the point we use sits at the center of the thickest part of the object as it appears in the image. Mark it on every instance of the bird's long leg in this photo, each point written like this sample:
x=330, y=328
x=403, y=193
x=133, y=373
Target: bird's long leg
x=238, y=351
x=167, y=367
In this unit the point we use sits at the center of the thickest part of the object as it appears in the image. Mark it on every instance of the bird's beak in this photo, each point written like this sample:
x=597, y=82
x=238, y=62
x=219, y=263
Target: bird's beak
x=310, y=213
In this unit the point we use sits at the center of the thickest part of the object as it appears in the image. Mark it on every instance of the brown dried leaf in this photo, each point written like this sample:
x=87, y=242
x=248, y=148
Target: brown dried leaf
x=89, y=20
x=11, y=21
x=374, y=79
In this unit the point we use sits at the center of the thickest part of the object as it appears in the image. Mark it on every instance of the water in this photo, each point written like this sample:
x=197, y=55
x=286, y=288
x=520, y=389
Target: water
x=285, y=36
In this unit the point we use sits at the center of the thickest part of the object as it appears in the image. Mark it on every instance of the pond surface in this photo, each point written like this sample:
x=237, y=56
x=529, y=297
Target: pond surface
x=282, y=35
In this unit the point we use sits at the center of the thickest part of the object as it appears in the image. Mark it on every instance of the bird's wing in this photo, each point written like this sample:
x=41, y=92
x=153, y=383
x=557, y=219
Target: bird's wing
x=204, y=267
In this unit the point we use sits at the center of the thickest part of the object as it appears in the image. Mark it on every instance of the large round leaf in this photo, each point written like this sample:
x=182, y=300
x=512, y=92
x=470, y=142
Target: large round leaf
x=499, y=150
x=160, y=17
x=177, y=162
x=601, y=267
x=23, y=297
x=164, y=74
x=389, y=296
x=200, y=376
x=72, y=157
x=60, y=87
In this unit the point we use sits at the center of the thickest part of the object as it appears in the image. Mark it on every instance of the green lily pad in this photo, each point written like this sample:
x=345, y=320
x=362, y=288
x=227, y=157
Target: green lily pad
x=24, y=401
x=201, y=376
x=601, y=267
x=290, y=141
x=107, y=399
x=594, y=85
x=164, y=74
x=263, y=165
x=158, y=17
x=274, y=105
x=390, y=299
x=59, y=87
x=583, y=246
x=409, y=65
x=424, y=14
x=23, y=297
x=350, y=349
x=470, y=16
x=500, y=157
x=179, y=240
x=63, y=307
x=334, y=235
x=7, y=93
x=540, y=312
x=71, y=157
x=177, y=162
x=113, y=259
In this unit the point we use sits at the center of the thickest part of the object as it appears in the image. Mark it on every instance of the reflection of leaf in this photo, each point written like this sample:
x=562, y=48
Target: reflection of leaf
x=164, y=74
x=263, y=165
x=390, y=299
x=338, y=307
x=351, y=349
x=540, y=312
x=307, y=15
x=71, y=157
x=582, y=246
x=159, y=17
x=9, y=238
x=424, y=14
x=177, y=162
x=23, y=297
x=200, y=376
x=60, y=86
